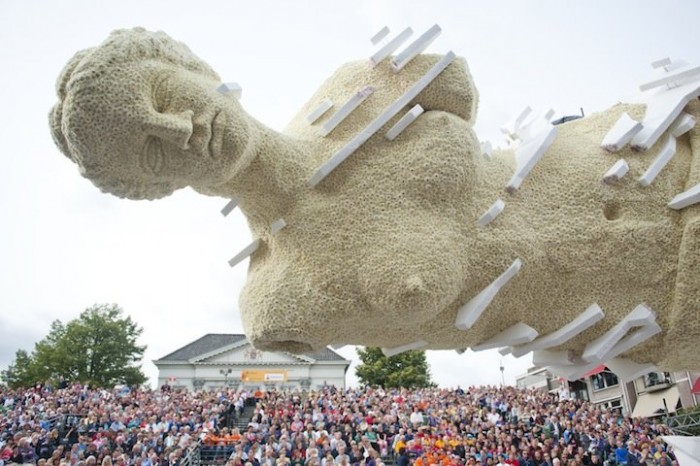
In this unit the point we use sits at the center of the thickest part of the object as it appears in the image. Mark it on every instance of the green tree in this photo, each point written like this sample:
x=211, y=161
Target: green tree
x=19, y=373
x=98, y=348
x=406, y=370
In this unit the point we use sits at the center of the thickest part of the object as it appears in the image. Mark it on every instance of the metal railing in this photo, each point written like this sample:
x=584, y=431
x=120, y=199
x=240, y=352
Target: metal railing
x=687, y=424
x=193, y=456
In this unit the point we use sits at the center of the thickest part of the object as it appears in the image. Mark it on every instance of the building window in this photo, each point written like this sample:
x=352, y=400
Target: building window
x=657, y=378
x=579, y=390
x=615, y=404
x=603, y=380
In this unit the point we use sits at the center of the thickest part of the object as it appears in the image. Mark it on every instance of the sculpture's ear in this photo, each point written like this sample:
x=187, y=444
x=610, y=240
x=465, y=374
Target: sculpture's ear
x=451, y=91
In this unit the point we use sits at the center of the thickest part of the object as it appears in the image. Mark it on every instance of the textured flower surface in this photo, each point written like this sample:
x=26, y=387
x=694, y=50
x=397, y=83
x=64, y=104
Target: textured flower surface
x=386, y=249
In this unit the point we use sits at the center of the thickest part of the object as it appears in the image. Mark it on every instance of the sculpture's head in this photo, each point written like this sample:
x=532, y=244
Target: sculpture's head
x=141, y=117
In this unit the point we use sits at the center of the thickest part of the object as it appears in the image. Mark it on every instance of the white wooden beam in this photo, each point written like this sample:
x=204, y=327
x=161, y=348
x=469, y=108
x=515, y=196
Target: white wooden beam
x=231, y=88
x=517, y=334
x=381, y=120
x=621, y=133
x=277, y=225
x=686, y=198
x=247, y=251
x=390, y=47
x=347, y=108
x=588, y=318
x=319, y=111
x=389, y=352
x=601, y=348
x=416, y=47
x=404, y=122
x=491, y=213
x=468, y=314
x=230, y=205
x=529, y=154
x=665, y=155
x=381, y=34
x=616, y=172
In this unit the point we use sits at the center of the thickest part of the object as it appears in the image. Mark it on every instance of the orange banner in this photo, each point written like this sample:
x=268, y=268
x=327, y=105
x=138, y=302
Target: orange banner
x=264, y=376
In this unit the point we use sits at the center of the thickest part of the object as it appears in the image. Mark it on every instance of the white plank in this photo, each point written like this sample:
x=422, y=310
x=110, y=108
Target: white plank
x=380, y=121
x=616, y=172
x=230, y=205
x=686, y=198
x=591, y=316
x=665, y=155
x=528, y=155
x=487, y=150
x=543, y=357
x=598, y=349
x=514, y=335
x=663, y=62
x=416, y=47
x=672, y=77
x=403, y=123
x=277, y=226
x=390, y=47
x=231, y=88
x=322, y=108
x=572, y=372
x=247, y=251
x=663, y=108
x=381, y=34
x=511, y=128
x=621, y=133
x=684, y=123
x=535, y=126
x=627, y=370
x=491, y=213
x=468, y=314
x=347, y=108
x=389, y=352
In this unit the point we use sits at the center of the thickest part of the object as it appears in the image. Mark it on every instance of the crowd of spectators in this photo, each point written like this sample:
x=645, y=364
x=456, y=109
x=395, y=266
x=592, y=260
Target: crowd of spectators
x=478, y=426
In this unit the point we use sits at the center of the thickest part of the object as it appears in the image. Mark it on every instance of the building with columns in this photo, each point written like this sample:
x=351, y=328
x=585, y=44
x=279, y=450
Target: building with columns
x=218, y=359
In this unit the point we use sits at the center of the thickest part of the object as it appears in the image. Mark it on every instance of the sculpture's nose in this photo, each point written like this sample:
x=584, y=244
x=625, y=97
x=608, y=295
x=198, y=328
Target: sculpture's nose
x=175, y=128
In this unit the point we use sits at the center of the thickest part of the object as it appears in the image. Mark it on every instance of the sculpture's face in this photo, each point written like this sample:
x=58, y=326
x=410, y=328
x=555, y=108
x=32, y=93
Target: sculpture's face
x=148, y=128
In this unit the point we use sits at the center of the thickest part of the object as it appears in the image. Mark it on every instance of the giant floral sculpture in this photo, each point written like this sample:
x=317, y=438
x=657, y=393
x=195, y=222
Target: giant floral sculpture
x=380, y=219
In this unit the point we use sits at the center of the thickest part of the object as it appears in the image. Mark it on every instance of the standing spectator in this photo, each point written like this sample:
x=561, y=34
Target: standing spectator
x=403, y=459
x=621, y=453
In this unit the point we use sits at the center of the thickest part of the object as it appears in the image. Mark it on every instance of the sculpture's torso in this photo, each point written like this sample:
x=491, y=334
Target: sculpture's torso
x=386, y=249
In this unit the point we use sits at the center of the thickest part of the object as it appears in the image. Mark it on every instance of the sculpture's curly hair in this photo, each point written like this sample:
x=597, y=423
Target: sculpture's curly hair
x=77, y=82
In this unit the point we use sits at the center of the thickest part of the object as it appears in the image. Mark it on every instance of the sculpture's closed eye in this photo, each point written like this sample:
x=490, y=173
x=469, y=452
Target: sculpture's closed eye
x=152, y=156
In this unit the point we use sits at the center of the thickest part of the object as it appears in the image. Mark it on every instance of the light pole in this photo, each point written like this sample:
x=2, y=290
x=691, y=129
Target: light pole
x=503, y=376
x=225, y=372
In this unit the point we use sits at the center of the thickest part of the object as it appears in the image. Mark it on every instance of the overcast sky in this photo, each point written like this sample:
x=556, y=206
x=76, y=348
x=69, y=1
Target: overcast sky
x=65, y=246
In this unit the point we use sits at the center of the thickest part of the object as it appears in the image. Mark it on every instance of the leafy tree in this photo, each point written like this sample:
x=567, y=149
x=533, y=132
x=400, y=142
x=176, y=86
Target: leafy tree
x=19, y=373
x=406, y=370
x=98, y=348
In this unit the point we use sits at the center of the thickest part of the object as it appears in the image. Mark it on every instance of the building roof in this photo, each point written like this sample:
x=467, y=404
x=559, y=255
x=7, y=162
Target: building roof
x=212, y=341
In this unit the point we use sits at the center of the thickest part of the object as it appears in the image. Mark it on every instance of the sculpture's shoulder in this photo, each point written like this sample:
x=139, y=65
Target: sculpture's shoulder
x=452, y=91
